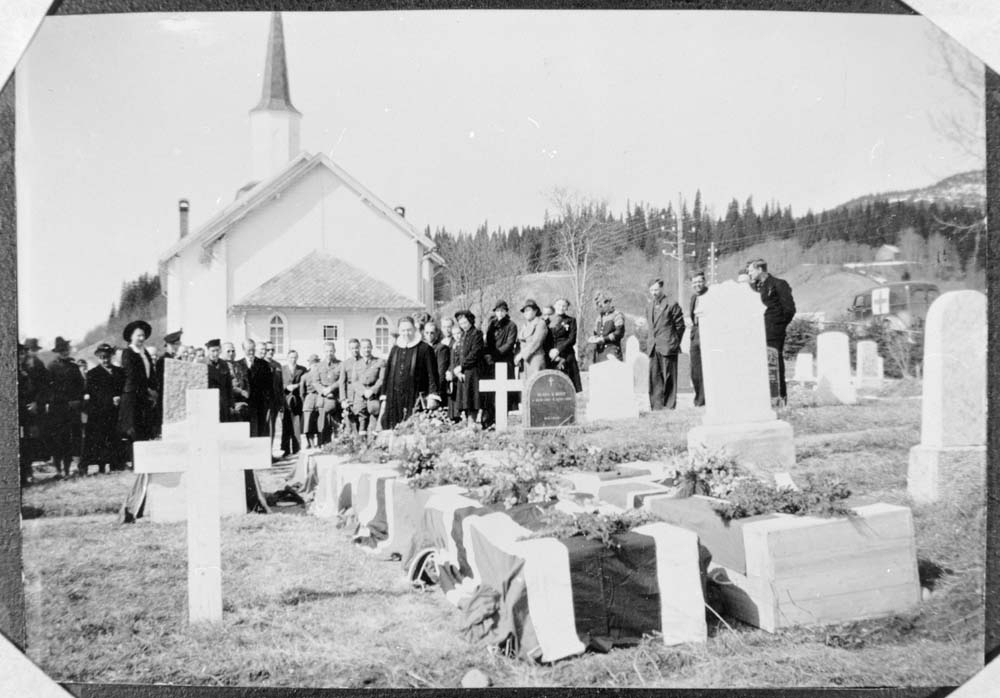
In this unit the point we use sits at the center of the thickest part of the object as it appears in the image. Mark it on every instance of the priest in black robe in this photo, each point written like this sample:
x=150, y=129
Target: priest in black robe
x=411, y=376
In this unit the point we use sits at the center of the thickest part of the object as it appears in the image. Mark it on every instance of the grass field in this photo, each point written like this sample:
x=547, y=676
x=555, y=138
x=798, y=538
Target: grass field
x=107, y=603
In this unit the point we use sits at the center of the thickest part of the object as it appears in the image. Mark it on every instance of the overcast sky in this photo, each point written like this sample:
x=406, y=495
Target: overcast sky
x=459, y=116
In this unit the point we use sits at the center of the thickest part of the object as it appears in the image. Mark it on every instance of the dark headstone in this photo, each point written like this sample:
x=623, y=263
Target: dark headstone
x=551, y=400
x=772, y=373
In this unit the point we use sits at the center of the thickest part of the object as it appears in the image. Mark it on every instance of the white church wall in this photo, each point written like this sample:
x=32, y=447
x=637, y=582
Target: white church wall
x=303, y=329
x=196, y=294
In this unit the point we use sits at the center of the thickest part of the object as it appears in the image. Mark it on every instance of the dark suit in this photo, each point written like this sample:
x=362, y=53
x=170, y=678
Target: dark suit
x=291, y=416
x=501, y=346
x=277, y=405
x=696, y=378
x=562, y=330
x=255, y=387
x=65, y=402
x=221, y=379
x=102, y=445
x=666, y=329
x=779, y=309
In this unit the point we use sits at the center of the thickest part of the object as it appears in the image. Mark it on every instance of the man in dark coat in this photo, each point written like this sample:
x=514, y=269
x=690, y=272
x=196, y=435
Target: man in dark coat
x=28, y=412
x=562, y=331
x=609, y=330
x=65, y=405
x=292, y=380
x=252, y=385
x=666, y=329
x=104, y=385
x=171, y=345
x=277, y=390
x=699, y=288
x=501, y=346
x=779, y=309
x=220, y=378
x=39, y=375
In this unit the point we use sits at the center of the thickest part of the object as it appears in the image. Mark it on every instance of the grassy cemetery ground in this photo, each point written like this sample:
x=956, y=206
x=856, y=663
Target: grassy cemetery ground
x=303, y=607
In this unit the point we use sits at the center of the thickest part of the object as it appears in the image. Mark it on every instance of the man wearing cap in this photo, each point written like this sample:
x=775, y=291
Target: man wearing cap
x=65, y=404
x=171, y=345
x=665, y=321
x=532, y=337
x=609, y=330
x=219, y=378
x=347, y=377
x=326, y=385
x=104, y=386
x=501, y=345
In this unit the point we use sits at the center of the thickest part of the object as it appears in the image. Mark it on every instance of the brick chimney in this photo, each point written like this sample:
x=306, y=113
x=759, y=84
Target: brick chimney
x=182, y=207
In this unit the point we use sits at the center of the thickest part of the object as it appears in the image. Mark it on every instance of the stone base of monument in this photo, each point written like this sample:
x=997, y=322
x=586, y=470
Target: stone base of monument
x=166, y=496
x=778, y=571
x=956, y=473
x=766, y=446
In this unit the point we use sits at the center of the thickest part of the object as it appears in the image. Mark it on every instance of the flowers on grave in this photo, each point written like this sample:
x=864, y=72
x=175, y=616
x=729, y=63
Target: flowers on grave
x=593, y=525
x=822, y=497
x=712, y=473
x=559, y=454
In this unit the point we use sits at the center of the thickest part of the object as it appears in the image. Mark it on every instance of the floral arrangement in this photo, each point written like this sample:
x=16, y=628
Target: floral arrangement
x=559, y=454
x=592, y=525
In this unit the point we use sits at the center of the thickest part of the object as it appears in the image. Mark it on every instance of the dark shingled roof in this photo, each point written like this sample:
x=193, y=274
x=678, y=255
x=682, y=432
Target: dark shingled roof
x=321, y=280
x=275, y=95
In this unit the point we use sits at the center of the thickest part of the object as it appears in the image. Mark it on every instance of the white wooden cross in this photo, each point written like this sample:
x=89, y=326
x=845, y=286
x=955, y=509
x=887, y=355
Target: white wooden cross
x=200, y=448
x=502, y=385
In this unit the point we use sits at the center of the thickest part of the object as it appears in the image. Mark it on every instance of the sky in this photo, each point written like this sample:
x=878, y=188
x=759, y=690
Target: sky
x=461, y=117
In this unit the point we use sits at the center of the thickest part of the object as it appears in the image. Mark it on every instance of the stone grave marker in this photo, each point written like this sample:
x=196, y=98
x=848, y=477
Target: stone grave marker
x=738, y=416
x=550, y=400
x=773, y=376
x=611, y=392
x=950, y=460
x=202, y=453
x=502, y=386
x=833, y=368
x=639, y=364
x=178, y=378
x=804, y=368
x=868, y=375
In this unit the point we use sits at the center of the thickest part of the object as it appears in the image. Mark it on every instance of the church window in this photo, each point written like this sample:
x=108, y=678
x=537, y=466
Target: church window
x=383, y=341
x=276, y=333
x=331, y=333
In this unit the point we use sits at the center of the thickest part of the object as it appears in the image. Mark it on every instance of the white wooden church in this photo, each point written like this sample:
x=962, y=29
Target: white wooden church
x=304, y=254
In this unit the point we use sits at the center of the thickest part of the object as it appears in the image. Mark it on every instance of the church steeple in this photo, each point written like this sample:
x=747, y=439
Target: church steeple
x=276, y=96
x=274, y=122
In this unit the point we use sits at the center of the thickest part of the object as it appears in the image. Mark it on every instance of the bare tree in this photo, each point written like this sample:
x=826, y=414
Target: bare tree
x=477, y=269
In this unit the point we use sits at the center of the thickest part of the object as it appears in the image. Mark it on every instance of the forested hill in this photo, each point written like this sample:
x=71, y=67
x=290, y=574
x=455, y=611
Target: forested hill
x=139, y=299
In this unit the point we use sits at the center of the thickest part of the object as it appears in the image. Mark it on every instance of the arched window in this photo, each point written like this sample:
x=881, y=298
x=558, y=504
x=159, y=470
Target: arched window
x=383, y=340
x=276, y=333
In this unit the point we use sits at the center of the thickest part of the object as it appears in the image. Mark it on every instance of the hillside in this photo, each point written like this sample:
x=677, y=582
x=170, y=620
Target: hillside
x=967, y=189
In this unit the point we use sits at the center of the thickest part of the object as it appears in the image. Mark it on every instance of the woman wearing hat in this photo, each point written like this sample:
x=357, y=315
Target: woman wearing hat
x=468, y=366
x=105, y=383
x=136, y=413
x=532, y=336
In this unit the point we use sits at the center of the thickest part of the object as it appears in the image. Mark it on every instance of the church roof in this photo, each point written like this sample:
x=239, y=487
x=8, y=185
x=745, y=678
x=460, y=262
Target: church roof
x=275, y=95
x=321, y=280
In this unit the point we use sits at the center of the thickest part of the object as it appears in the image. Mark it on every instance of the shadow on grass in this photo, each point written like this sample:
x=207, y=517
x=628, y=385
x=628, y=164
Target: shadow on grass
x=301, y=595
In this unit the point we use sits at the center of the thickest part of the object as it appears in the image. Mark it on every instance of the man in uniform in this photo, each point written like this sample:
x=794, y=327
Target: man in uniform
x=779, y=309
x=666, y=329
x=609, y=330
x=252, y=385
x=346, y=378
x=220, y=378
x=501, y=346
x=104, y=385
x=367, y=379
x=699, y=287
x=326, y=385
x=171, y=345
x=65, y=404
x=292, y=379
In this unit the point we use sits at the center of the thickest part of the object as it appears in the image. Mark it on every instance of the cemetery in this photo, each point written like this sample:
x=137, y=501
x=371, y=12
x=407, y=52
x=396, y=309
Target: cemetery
x=835, y=540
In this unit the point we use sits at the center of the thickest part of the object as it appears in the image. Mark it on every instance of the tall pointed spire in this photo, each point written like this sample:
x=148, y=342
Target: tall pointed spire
x=275, y=95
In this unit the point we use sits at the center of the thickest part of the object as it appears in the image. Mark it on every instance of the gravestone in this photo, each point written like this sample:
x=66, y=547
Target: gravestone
x=202, y=449
x=868, y=375
x=502, y=385
x=804, y=368
x=638, y=362
x=611, y=392
x=833, y=368
x=550, y=400
x=950, y=460
x=178, y=378
x=773, y=376
x=738, y=415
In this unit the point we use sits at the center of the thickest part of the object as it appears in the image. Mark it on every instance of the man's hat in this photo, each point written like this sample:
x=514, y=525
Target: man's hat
x=313, y=358
x=31, y=344
x=104, y=348
x=61, y=345
x=531, y=304
x=601, y=297
x=212, y=343
x=173, y=337
x=133, y=326
x=501, y=305
x=21, y=347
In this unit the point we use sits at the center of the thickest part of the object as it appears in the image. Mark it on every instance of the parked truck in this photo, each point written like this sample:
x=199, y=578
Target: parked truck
x=899, y=304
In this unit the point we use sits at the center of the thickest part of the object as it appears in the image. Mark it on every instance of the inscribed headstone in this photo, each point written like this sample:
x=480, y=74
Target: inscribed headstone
x=550, y=400
x=611, y=392
x=178, y=378
x=738, y=415
x=833, y=368
x=869, y=366
x=950, y=458
x=804, y=368
x=773, y=375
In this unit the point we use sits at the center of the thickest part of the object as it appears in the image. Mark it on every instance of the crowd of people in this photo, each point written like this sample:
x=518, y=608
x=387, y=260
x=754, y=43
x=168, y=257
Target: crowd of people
x=80, y=416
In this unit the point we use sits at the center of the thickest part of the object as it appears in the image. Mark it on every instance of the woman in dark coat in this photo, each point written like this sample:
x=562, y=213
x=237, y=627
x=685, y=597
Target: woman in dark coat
x=454, y=360
x=410, y=376
x=136, y=411
x=103, y=394
x=471, y=350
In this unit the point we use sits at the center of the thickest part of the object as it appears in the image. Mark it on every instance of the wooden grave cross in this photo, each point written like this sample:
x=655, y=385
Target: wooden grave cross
x=502, y=385
x=200, y=448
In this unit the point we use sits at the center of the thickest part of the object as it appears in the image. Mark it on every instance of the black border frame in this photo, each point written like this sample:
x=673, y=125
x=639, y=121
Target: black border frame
x=12, y=608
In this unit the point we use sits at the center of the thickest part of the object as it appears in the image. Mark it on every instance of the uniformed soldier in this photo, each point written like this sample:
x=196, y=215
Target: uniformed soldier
x=326, y=386
x=65, y=403
x=367, y=379
x=609, y=330
x=346, y=379
x=171, y=347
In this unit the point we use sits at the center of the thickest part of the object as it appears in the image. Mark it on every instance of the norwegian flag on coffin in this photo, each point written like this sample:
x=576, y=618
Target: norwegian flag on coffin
x=547, y=599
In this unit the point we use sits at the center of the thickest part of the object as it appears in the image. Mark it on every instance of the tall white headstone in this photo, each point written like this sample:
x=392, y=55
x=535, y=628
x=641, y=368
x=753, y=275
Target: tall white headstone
x=638, y=362
x=611, y=394
x=738, y=415
x=868, y=374
x=804, y=368
x=951, y=456
x=833, y=368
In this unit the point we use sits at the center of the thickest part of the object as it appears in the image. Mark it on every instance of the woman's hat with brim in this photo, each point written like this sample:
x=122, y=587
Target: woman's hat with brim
x=136, y=325
x=104, y=348
x=61, y=345
x=467, y=314
x=531, y=304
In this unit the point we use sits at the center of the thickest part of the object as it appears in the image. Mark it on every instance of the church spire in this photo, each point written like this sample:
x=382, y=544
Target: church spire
x=275, y=95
